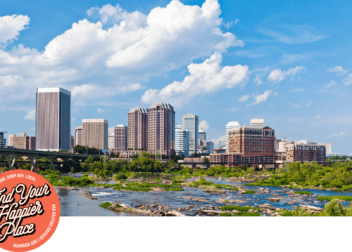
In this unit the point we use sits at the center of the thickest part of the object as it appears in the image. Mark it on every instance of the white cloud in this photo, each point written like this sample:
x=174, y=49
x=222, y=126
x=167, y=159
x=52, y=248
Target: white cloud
x=10, y=27
x=331, y=84
x=292, y=34
x=298, y=89
x=262, y=97
x=234, y=109
x=117, y=51
x=221, y=139
x=337, y=69
x=337, y=134
x=30, y=115
x=317, y=117
x=301, y=105
x=99, y=110
x=348, y=80
x=277, y=75
x=203, y=125
x=258, y=80
x=229, y=24
x=207, y=77
x=243, y=98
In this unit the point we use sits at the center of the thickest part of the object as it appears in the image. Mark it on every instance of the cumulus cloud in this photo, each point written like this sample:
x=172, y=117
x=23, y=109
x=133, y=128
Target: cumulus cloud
x=263, y=97
x=277, y=75
x=30, y=115
x=117, y=51
x=10, y=27
x=337, y=69
x=203, y=125
x=331, y=84
x=243, y=98
x=258, y=80
x=207, y=77
x=348, y=80
x=221, y=139
x=229, y=24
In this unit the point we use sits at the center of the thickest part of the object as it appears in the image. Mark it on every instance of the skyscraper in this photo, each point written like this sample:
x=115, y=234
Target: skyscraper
x=229, y=126
x=181, y=141
x=2, y=139
x=53, y=119
x=137, y=129
x=95, y=133
x=161, y=128
x=202, y=135
x=191, y=122
x=120, y=138
x=78, y=136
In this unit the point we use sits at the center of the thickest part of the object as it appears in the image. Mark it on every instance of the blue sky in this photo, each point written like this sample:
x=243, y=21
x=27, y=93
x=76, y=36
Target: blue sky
x=286, y=62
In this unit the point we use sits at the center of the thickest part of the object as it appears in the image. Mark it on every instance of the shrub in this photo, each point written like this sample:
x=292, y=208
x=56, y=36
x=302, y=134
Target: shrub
x=329, y=198
x=334, y=208
x=249, y=192
x=245, y=214
x=105, y=205
x=238, y=208
x=120, y=176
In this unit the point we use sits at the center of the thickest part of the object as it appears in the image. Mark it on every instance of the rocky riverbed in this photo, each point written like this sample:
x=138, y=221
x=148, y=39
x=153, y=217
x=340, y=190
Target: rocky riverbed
x=196, y=201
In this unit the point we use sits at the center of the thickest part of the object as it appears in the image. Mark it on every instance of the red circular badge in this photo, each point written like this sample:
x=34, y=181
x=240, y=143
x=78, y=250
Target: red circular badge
x=29, y=210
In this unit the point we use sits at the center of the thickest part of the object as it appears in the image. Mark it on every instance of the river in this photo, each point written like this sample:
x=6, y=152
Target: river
x=73, y=203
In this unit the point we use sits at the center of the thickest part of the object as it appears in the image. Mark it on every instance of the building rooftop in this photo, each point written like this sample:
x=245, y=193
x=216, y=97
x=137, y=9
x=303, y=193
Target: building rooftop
x=143, y=110
x=53, y=90
x=161, y=104
x=94, y=120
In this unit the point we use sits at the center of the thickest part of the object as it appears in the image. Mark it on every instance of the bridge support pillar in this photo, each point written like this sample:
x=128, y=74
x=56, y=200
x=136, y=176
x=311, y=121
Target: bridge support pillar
x=33, y=162
x=14, y=157
x=51, y=159
x=7, y=156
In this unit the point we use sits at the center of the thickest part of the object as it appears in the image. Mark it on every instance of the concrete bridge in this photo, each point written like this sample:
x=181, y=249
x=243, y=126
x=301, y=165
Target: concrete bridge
x=34, y=155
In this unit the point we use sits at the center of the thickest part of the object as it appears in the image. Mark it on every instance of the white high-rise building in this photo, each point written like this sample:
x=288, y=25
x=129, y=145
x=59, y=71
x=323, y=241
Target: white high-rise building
x=229, y=126
x=191, y=122
x=181, y=141
x=327, y=147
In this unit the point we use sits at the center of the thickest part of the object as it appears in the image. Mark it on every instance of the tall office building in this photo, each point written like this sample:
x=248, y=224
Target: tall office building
x=22, y=142
x=111, y=142
x=181, y=141
x=137, y=136
x=78, y=136
x=229, y=126
x=327, y=147
x=161, y=128
x=202, y=135
x=53, y=119
x=120, y=138
x=191, y=122
x=95, y=133
x=2, y=139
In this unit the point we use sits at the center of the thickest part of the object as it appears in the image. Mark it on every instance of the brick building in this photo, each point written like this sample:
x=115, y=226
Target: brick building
x=22, y=142
x=305, y=153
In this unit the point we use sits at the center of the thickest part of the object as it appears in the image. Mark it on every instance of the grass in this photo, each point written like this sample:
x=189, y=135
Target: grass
x=303, y=192
x=201, y=182
x=240, y=214
x=105, y=205
x=224, y=186
x=329, y=198
x=238, y=208
x=144, y=187
x=249, y=192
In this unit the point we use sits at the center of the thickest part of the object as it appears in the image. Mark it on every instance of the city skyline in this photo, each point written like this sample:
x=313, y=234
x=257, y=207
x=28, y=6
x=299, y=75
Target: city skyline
x=294, y=75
